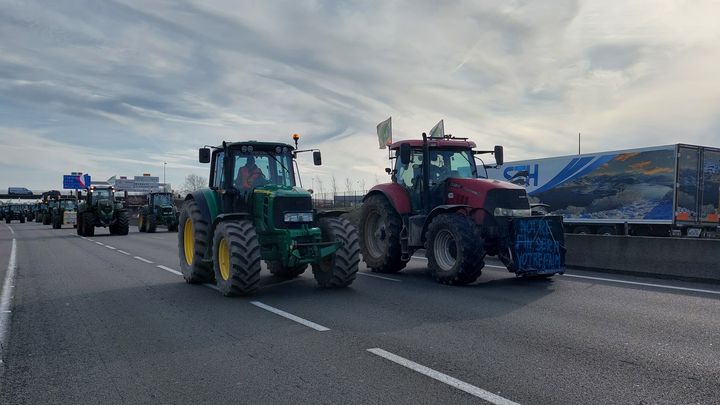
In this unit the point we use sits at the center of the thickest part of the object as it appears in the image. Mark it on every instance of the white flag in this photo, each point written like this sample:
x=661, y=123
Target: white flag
x=438, y=131
x=384, y=132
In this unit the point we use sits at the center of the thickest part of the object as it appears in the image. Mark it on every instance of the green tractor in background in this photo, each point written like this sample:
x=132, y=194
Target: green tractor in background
x=254, y=211
x=159, y=210
x=64, y=212
x=14, y=212
x=100, y=209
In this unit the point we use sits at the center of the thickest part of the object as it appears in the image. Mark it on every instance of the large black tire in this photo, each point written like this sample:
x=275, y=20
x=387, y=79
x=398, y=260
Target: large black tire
x=151, y=222
x=56, y=222
x=122, y=226
x=142, y=222
x=22, y=220
x=454, y=249
x=79, y=226
x=88, y=222
x=278, y=270
x=194, y=229
x=173, y=227
x=236, y=258
x=340, y=268
x=379, y=229
x=7, y=220
x=46, y=219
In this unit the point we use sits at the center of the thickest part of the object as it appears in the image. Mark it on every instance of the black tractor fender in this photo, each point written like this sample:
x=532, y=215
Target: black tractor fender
x=328, y=214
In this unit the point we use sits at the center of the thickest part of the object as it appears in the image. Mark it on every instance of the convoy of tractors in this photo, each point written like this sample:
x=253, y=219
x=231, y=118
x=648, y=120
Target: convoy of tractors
x=439, y=200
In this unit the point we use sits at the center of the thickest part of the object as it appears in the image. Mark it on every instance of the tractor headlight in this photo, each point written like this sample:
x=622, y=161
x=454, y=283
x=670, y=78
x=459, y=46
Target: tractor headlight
x=298, y=217
x=510, y=212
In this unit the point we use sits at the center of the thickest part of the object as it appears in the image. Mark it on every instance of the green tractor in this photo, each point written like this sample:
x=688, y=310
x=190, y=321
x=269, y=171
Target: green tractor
x=254, y=211
x=64, y=212
x=100, y=209
x=13, y=212
x=159, y=210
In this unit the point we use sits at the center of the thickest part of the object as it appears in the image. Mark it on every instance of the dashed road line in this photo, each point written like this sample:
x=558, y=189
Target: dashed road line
x=123, y=252
x=6, y=299
x=100, y=243
x=290, y=316
x=173, y=271
x=12, y=231
x=669, y=287
x=376, y=276
x=142, y=259
x=444, y=378
x=110, y=247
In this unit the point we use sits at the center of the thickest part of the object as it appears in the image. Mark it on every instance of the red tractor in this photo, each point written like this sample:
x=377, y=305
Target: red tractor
x=437, y=201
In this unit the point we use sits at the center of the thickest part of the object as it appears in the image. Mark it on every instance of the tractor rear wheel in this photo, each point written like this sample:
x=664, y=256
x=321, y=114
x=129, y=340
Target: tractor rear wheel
x=454, y=249
x=142, y=223
x=236, y=258
x=192, y=241
x=46, y=219
x=151, y=222
x=56, y=222
x=79, y=225
x=88, y=222
x=340, y=268
x=278, y=270
x=379, y=228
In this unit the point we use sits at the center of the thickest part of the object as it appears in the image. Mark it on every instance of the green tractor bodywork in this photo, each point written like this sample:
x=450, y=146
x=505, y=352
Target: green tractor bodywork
x=227, y=229
x=160, y=210
x=64, y=212
x=100, y=209
x=13, y=212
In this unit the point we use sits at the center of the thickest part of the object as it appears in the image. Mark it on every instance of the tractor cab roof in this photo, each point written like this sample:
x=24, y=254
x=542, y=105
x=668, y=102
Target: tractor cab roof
x=449, y=143
x=263, y=146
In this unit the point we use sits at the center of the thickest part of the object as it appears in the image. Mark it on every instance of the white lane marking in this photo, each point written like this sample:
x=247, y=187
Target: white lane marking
x=123, y=252
x=157, y=237
x=100, y=243
x=444, y=378
x=82, y=237
x=110, y=247
x=669, y=287
x=290, y=316
x=6, y=298
x=173, y=271
x=142, y=259
x=211, y=286
x=12, y=231
x=376, y=276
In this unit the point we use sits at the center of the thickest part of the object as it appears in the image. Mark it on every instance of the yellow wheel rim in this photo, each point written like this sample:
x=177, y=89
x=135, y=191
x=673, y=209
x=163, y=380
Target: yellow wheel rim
x=189, y=241
x=224, y=259
x=140, y=221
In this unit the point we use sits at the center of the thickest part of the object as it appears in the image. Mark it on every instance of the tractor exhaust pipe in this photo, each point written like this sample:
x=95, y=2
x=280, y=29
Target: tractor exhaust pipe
x=426, y=174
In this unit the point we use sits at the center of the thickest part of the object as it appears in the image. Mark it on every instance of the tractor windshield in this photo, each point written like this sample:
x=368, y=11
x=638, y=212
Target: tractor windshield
x=101, y=194
x=68, y=204
x=261, y=167
x=162, y=199
x=444, y=163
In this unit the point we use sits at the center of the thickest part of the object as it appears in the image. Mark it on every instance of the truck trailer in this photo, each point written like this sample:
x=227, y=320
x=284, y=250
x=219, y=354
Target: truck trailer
x=670, y=190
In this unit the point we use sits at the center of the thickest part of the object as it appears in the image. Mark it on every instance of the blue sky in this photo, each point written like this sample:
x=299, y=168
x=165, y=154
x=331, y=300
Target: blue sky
x=119, y=87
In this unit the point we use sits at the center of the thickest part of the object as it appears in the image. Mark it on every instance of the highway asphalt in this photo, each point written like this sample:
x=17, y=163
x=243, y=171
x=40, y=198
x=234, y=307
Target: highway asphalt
x=107, y=320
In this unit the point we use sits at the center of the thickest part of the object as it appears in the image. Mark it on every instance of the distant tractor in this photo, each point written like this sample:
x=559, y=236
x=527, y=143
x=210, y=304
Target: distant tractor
x=437, y=202
x=160, y=210
x=13, y=212
x=100, y=209
x=254, y=211
x=64, y=212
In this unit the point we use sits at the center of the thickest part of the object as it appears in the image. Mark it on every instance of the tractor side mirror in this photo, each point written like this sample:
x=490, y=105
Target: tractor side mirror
x=405, y=153
x=498, y=152
x=388, y=170
x=317, y=158
x=204, y=155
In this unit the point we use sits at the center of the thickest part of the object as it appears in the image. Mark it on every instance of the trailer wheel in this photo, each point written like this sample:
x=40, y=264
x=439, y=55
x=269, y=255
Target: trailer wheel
x=278, y=270
x=236, y=258
x=379, y=229
x=340, y=268
x=454, y=249
x=192, y=240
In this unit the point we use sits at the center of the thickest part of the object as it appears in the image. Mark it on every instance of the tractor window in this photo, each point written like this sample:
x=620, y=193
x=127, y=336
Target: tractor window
x=450, y=163
x=218, y=170
x=162, y=199
x=260, y=168
x=101, y=194
x=410, y=175
x=68, y=204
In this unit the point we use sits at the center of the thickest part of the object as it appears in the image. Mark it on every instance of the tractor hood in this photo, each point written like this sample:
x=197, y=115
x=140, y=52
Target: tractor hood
x=282, y=191
x=489, y=194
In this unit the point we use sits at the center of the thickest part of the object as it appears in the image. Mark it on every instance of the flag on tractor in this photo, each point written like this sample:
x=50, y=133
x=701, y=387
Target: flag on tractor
x=438, y=131
x=384, y=131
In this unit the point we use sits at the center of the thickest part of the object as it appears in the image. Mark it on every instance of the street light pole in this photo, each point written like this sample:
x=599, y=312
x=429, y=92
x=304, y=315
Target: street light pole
x=164, y=182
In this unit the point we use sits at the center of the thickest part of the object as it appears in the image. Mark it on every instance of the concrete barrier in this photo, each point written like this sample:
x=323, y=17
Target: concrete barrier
x=681, y=258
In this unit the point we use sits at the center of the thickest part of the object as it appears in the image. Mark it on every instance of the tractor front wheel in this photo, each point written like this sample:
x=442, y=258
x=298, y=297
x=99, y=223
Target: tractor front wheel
x=340, y=268
x=88, y=224
x=192, y=241
x=123, y=223
x=236, y=258
x=380, y=227
x=57, y=222
x=142, y=223
x=151, y=222
x=454, y=249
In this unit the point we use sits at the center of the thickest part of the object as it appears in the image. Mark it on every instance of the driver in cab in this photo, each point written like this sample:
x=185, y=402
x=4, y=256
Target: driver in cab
x=249, y=175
